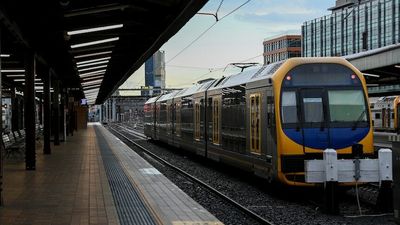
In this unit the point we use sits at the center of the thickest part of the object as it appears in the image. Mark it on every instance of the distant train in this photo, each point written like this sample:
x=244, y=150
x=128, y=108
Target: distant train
x=269, y=120
x=385, y=113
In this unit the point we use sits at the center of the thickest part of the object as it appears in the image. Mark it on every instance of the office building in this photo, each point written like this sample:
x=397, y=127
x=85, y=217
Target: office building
x=155, y=74
x=281, y=48
x=353, y=26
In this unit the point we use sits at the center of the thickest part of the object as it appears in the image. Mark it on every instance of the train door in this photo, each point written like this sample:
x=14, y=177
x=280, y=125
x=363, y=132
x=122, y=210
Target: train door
x=397, y=120
x=255, y=123
x=216, y=111
x=313, y=118
x=197, y=121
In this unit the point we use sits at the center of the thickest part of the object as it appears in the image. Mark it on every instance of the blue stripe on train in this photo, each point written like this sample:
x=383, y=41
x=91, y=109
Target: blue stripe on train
x=315, y=138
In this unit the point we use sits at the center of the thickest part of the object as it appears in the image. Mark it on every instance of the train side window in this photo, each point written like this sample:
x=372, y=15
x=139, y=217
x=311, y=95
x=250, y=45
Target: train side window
x=216, y=120
x=377, y=115
x=392, y=116
x=255, y=123
x=197, y=121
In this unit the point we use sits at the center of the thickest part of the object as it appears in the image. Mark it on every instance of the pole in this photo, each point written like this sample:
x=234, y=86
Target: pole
x=29, y=112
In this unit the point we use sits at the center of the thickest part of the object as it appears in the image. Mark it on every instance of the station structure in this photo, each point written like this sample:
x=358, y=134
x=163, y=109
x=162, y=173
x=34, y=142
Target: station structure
x=58, y=57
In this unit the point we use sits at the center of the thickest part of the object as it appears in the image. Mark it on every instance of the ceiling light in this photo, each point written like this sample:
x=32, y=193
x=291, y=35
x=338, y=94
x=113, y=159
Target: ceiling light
x=92, y=54
x=19, y=80
x=371, y=75
x=93, y=77
x=95, y=42
x=94, y=63
x=93, y=72
x=84, y=31
x=15, y=75
x=5, y=55
x=91, y=82
x=93, y=60
x=13, y=71
x=92, y=68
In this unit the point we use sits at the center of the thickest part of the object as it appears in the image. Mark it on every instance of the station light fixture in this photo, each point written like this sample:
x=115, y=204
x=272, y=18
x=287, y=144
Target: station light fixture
x=19, y=80
x=15, y=75
x=88, y=83
x=95, y=29
x=91, y=73
x=92, y=68
x=93, y=64
x=95, y=42
x=5, y=55
x=93, y=60
x=371, y=75
x=93, y=54
x=93, y=77
x=13, y=71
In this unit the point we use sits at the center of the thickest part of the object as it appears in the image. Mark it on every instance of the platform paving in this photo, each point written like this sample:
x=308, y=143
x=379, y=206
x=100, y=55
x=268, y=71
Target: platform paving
x=68, y=187
x=71, y=186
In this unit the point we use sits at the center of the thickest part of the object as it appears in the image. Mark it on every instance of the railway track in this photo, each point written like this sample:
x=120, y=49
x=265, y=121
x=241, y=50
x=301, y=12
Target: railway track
x=205, y=186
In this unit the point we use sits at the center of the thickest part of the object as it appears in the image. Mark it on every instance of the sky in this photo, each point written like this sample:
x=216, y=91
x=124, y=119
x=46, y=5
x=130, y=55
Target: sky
x=237, y=37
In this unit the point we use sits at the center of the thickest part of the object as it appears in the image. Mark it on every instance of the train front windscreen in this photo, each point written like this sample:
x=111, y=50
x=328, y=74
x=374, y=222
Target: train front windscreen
x=324, y=106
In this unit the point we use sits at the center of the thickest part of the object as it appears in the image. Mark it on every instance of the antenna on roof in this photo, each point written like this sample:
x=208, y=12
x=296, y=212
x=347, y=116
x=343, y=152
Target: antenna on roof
x=242, y=65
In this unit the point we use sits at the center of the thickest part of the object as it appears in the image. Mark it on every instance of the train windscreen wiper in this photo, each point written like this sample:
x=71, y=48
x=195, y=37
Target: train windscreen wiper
x=359, y=119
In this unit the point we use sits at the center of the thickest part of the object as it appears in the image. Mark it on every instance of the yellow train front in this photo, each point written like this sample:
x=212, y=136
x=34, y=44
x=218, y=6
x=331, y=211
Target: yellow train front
x=293, y=121
x=320, y=104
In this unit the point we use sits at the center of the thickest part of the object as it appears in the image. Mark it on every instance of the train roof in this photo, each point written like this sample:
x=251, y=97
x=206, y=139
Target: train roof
x=195, y=89
x=167, y=96
x=261, y=72
x=151, y=100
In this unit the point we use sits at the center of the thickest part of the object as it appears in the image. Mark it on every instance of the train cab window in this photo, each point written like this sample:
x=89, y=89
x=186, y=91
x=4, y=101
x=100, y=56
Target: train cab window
x=377, y=115
x=216, y=120
x=255, y=123
x=197, y=121
x=313, y=110
x=347, y=105
x=289, y=107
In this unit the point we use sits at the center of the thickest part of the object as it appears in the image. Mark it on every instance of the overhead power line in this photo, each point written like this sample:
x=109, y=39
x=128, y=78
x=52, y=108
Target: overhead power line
x=209, y=28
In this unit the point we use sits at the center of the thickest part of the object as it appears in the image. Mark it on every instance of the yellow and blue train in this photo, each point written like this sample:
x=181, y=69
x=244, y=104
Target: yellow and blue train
x=269, y=120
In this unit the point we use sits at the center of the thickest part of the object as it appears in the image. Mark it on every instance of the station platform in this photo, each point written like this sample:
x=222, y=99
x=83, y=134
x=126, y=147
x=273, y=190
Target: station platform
x=94, y=178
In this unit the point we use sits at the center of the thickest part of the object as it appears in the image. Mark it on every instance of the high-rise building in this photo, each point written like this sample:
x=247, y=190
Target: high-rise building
x=281, y=48
x=353, y=26
x=155, y=74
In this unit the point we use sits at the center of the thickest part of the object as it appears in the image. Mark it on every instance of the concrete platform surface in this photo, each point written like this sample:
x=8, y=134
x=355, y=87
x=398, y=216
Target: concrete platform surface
x=73, y=186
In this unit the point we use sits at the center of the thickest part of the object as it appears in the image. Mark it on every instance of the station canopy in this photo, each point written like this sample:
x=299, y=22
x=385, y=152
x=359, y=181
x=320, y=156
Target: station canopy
x=91, y=45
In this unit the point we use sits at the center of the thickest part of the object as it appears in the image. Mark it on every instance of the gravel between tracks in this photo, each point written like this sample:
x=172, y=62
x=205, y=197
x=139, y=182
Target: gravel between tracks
x=284, y=206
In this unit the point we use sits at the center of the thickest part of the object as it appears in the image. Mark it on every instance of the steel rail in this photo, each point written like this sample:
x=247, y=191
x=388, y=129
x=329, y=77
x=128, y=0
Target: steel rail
x=203, y=184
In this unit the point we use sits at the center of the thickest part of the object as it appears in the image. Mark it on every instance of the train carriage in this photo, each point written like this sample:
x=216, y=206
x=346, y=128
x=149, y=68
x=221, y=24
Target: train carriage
x=271, y=120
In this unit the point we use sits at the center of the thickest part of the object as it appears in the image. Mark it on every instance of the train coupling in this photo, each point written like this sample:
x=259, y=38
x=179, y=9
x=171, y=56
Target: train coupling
x=361, y=170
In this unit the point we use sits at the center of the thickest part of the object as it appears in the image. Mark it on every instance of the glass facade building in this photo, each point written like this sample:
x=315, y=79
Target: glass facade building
x=154, y=69
x=354, y=26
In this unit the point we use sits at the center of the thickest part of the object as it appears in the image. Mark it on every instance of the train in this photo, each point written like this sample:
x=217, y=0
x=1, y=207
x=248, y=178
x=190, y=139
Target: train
x=385, y=113
x=269, y=120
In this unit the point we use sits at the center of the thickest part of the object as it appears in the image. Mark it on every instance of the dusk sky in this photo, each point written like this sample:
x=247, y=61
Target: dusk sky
x=236, y=38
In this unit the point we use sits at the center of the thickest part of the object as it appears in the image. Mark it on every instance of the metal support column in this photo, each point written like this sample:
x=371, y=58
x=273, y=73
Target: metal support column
x=101, y=114
x=56, y=107
x=46, y=114
x=29, y=111
x=1, y=145
x=107, y=111
x=114, y=110
x=14, y=111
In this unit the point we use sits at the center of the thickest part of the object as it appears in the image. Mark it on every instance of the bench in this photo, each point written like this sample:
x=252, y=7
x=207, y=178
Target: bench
x=12, y=145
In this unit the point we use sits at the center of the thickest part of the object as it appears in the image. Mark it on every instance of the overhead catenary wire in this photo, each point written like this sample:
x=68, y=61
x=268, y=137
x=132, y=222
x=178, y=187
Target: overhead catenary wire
x=208, y=29
x=213, y=70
